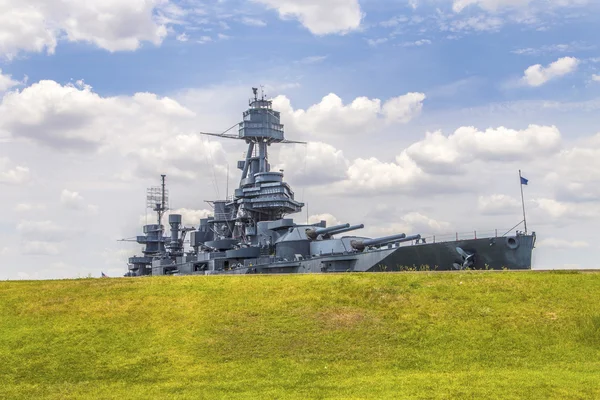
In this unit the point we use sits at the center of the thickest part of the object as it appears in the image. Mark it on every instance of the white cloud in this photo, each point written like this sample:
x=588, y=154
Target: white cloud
x=376, y=42
x=114, y=257
x=321, y=17
x=312, y=60
x=74, y=201
x=36, y=25
x=318, y=163
x=436, y=164
x=486, y=16
x=39, y=248
x=253, y=22
x=6, y=82
x=10, y=174
x=417, y=43
x=47, y=230
x=182, y=157
x=328, y=218
x=497, y=5
x=204, y=39
x=411, y=223
x=596, y=78
x=24, y=27
x=183, y=37
x=394, y=21
x=44, y=237
x=29, y=207
x=171, y=13
x=445, y=154
x=73, y=116
x=478, y=23
x=403, y=108
x=332, y=117
x=492, y=5
x=562, y=243
x=422, y=223
x=576, y=171
x=537, y=75
x=567, y=211
x=373, y=176
x=497, y=204
x=554, y=48
x=71, y=200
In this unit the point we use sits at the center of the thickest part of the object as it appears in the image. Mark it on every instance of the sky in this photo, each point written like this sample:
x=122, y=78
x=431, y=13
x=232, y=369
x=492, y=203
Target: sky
x=418, y=115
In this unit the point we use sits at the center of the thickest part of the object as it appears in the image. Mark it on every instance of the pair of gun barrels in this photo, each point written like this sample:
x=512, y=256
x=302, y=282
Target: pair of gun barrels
x=361, y=244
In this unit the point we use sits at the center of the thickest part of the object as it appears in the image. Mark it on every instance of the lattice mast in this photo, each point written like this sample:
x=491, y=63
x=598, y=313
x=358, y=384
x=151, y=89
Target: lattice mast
x=157, y=198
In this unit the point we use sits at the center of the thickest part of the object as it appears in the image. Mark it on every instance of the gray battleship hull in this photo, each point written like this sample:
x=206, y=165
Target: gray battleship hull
x=490, y=253
x=497, y=253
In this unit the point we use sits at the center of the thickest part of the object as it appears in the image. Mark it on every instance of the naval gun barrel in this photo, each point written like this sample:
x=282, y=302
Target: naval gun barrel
x=360, y=245
x=313, y=233
x=348, y=229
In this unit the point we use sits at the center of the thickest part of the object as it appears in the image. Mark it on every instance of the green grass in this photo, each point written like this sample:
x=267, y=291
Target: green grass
x=472, y=335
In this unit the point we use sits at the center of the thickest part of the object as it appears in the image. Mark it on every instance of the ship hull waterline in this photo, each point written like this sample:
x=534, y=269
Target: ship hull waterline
x=495, y=253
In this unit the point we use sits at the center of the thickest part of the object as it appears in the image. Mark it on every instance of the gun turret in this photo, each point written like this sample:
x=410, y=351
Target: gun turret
x=313, y=233
x=360, y=245
x=348, y=229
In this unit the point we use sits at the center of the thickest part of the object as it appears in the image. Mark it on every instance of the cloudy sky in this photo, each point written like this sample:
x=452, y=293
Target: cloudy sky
x=418, y=114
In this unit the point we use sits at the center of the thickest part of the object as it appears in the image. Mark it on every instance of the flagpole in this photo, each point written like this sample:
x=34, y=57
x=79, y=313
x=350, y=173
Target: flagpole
x=523, y=201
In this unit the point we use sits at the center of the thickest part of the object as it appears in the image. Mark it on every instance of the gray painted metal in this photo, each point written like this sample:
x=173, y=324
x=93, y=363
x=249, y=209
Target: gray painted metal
x=360, y=245
x=348, y=229
x=314, y=233
x=249, y=233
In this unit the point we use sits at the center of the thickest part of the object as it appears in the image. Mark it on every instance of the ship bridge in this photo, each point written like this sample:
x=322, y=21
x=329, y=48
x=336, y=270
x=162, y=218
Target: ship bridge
x=262, y=194
x=261, y=122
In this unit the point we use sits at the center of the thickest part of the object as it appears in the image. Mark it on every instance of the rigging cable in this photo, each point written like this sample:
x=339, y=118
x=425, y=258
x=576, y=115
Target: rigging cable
x=208, y=158
x=304, y=185
x=209, y=163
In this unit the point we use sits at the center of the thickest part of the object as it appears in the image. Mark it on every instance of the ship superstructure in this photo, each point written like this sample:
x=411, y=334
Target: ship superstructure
x=153, y=240
x=251, y=233
x=262, y=194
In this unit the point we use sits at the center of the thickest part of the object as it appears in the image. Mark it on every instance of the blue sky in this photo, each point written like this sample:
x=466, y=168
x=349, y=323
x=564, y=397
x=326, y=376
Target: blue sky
x=80, y=148
x=351, y=68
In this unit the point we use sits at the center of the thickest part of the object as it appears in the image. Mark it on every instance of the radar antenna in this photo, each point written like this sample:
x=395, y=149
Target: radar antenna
x=157, y=198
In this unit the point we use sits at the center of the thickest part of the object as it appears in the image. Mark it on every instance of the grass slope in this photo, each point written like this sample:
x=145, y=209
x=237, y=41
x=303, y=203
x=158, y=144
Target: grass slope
x=410, y=335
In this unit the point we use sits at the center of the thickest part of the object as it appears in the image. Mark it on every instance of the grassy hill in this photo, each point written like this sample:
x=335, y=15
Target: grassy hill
x=503, y=335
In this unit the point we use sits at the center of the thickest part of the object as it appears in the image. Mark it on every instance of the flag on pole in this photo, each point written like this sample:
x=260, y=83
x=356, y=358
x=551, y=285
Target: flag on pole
x=104, y=275
x=523, y=182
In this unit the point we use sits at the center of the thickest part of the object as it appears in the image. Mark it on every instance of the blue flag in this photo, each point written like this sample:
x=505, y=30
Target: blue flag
x=524, y=181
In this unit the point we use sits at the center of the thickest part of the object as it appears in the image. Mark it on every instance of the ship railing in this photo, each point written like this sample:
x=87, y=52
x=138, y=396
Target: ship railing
x=475, y=234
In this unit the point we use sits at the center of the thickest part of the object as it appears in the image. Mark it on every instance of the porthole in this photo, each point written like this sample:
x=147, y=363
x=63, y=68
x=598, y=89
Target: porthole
x=512, y=242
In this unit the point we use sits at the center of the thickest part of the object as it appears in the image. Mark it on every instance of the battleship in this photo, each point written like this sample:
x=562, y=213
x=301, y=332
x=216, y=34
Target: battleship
x=250, y=232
